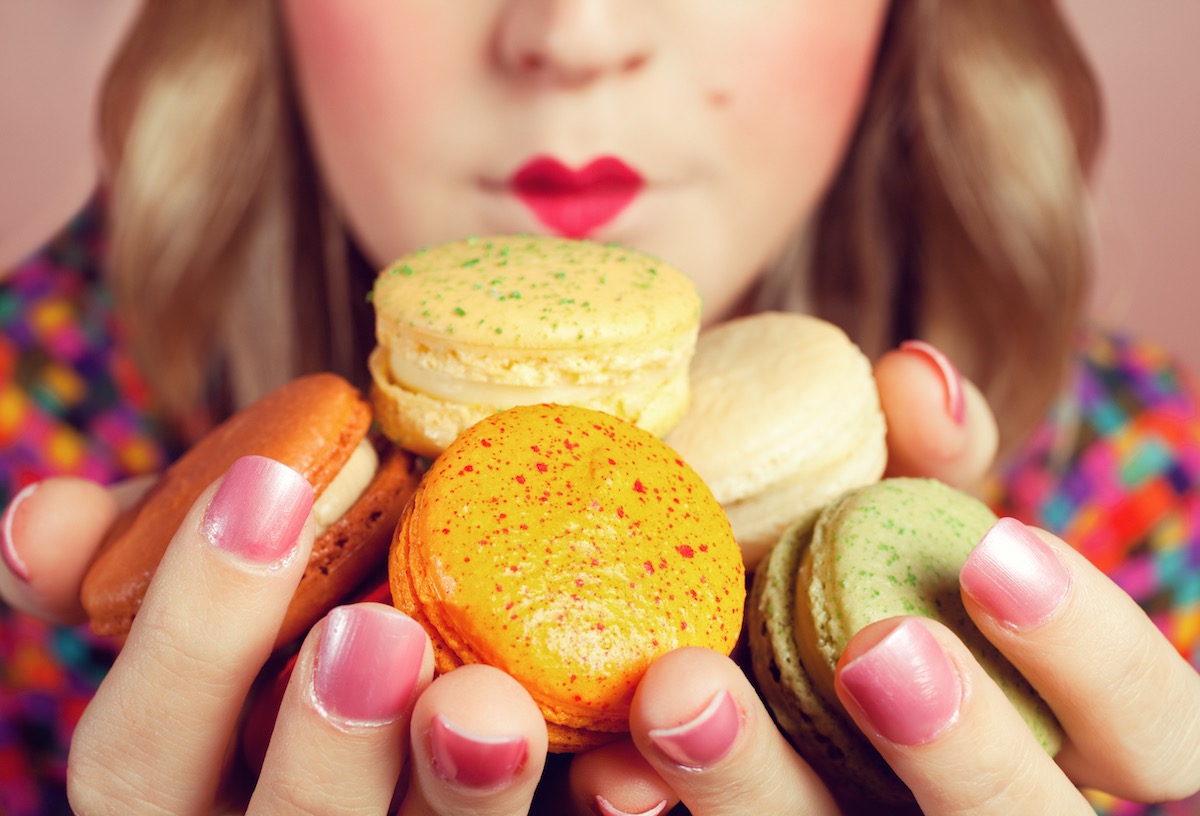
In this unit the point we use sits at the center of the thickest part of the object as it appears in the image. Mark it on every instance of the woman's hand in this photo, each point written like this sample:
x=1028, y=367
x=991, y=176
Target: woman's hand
x=158, y=734
x=1129, y=703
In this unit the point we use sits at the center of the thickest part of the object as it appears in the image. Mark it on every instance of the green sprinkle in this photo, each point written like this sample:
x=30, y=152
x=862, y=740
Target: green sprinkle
x=371, y=296
x=406, y=270
x=458, y=310
x=470, y=262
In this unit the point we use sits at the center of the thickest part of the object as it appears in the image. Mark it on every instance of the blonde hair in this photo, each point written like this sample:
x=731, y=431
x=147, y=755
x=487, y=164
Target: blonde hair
x=227, y=264
x=959, y=215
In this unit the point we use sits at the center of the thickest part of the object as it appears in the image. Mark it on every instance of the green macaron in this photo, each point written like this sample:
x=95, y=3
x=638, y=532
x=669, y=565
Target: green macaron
x=891, y=548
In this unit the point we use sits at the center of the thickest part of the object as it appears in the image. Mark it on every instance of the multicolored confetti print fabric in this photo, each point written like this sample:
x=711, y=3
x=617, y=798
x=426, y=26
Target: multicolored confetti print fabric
x=1115, y=470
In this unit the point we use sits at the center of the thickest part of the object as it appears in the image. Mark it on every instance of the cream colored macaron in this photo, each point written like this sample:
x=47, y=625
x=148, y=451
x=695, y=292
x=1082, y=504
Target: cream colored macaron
x=784, y=417
x=470, y=328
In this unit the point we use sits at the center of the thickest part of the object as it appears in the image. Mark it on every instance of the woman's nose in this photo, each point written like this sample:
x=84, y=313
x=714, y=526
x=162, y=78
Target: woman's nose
x=573, y=42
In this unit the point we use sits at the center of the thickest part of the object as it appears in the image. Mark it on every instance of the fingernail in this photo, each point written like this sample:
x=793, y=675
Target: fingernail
x=8, y=547
x=905, y=685
x=1015, y=575
x=258, y=511
x=472, y=760
x=606, y=808
x=706, y=738
x=368, y=665
x=956, y=404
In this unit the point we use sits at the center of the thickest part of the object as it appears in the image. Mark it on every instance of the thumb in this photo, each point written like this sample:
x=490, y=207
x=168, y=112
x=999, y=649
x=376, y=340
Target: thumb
x=939, y=424
x=48, y=535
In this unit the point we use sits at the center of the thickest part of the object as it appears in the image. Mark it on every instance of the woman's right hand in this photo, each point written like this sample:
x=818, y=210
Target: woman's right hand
x=157, y=735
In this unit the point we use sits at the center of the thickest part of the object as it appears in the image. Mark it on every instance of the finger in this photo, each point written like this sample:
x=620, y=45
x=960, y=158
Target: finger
x=939, y=424
x=945, y=727
x=342, y=733
x=1129, y=702
x=155, y=735
x=616, y=780
x=478, y=746
x=700, y=724
x=48, y=535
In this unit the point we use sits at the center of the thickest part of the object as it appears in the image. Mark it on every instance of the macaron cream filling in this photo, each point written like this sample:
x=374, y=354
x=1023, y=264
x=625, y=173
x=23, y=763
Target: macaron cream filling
x=417, y=378
x=347, y=487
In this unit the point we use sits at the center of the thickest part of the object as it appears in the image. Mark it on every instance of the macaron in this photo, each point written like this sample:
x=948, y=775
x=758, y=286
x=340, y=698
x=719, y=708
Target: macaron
x=318, y=425
x=784, y=416
x=887, y=549
x=570, y=549
x=469, y=328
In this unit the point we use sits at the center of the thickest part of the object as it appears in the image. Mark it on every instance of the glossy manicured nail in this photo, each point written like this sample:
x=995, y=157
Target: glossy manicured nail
x=604, y=807
x=905, y=685
x=368, y=665
x=258, y=511
x=956, y=404
x=706, y=738
x=1015, y=575
x=8, y=547
x=472, y=760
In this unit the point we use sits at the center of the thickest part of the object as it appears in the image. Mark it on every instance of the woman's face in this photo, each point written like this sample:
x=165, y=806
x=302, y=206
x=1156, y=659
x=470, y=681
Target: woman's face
x=701, y=131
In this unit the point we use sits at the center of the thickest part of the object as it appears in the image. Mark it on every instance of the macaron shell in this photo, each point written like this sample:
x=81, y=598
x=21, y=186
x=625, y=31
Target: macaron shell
x=896, y=548
x=533, y=292
x=821, y=732
x=569, y=549
x=311, y=424
x=784, y=415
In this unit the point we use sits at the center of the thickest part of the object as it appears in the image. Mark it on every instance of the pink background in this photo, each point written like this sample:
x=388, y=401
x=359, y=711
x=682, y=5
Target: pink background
x=1148, y=186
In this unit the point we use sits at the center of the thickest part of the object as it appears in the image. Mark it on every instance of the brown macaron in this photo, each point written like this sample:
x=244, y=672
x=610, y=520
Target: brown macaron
x=319, y=426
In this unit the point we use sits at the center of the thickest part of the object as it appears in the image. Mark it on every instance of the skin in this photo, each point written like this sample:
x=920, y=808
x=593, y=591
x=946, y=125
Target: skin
x=742, y=159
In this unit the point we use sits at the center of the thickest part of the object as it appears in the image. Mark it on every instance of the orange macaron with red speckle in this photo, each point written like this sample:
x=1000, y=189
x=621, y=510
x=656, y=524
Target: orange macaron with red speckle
x=570, y=549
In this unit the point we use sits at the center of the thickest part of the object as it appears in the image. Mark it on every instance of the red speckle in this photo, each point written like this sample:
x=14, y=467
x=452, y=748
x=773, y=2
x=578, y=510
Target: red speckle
x=542, y=467
x=486, y=443
x=648, y=567
x=520, y=479
x=683, y=625
x=638, y=486
x=535, y=449
x=703, y=548
x=469, y=468
x=445, y=531
x=612, y=461
x=620, y=512
x=685, y=550
x=578, y=582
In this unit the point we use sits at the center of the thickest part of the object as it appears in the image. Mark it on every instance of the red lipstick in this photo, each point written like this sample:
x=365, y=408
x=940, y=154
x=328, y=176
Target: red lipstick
x=574, y=203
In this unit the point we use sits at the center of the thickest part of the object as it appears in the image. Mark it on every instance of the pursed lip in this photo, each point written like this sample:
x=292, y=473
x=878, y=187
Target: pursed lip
x=576, y=202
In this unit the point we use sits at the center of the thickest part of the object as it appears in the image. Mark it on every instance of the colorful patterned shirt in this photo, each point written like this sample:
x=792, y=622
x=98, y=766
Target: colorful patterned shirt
x=1115, y=470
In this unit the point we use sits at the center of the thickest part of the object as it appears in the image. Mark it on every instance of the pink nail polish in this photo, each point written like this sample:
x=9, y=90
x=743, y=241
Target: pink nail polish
x=258, y=511
x=1015, y=575
x=905, y=685
x=956, y=404
x=706, y=738
x=8, y=547
x=603, y=807
x=474, y=761
x=368, y=665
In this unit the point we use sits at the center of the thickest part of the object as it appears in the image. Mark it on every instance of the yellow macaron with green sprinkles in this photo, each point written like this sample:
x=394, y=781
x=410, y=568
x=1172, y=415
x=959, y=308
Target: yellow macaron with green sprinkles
x=469, y=328
x=891, y=548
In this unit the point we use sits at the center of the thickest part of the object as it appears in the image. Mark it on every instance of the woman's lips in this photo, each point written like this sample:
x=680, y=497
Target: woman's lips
x=574, y=203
